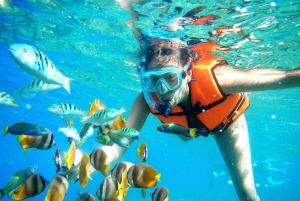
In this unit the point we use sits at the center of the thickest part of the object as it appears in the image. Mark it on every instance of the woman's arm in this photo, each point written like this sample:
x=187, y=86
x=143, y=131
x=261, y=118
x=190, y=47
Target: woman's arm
x=137, y=117
x=236, y=81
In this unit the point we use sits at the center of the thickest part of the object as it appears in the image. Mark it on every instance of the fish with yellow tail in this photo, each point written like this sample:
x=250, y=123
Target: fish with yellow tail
x=43, y=142
x=7, y=100
x=107, y=190
x=160, y=194
x=70, y=157
x=142, y=151
x=33, y=186
x=178, y=129
x=37, y=64
x=127, y=132
x=98, y=160
x=84, y=171
x=58, y=188
x=119, y=176
x=142, y=176
x=16, y=180
x=84, y=197
x=104, y=140
x=103, y=117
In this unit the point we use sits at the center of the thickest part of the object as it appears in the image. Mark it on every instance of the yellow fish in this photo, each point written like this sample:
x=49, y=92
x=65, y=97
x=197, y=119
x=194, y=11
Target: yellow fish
x=142, y=176
x=43, y=142
x=98, y=160
x=58, y=188
x=119, y=176
x=142, y=152
x=84, y=171
x=33, y=186
x=70, y=157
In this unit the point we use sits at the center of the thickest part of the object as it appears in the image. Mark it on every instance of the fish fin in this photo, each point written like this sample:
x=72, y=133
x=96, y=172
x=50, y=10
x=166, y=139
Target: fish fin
x=138, y=152
x=192, y=132
x=126, y=191
x=157, y=177
x=23, y=140
x=18, y=92
x=105, y=131
x=107, y=166
x=84, y=120
x=66, y=84
x=25, y=152
x=5, y=130
x=88, y=175
x=31, y=95
x=58, y=169
x=71, y=122
x=76, y=180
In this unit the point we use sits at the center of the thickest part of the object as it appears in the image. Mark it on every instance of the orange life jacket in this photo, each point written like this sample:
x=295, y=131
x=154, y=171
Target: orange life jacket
x=211, y=111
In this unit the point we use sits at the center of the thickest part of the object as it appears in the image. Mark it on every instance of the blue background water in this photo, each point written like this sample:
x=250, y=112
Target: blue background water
x=89, y=42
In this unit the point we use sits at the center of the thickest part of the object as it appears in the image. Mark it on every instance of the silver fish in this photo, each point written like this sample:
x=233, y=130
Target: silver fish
x=66, y=109
x=37, y=64
x=58, y=159
x=7, y=99
x=36, y=86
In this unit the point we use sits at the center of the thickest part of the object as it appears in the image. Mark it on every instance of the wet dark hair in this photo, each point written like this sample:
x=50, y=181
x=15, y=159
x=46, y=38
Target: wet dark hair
x=162, y=51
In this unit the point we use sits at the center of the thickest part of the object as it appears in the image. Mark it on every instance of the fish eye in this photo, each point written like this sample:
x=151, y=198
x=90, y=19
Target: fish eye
x=24, y=50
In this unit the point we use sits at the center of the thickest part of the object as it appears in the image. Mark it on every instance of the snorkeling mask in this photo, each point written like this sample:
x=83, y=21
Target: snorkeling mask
x=163, y=81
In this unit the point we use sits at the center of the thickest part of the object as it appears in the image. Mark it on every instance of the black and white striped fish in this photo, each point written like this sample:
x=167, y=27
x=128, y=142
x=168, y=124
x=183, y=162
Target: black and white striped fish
x=7, y=99
x=37, y=64
x=36, y=86
x=66, y=109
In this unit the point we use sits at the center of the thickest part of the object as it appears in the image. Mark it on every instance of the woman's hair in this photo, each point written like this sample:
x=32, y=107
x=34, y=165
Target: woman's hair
x=165, y=51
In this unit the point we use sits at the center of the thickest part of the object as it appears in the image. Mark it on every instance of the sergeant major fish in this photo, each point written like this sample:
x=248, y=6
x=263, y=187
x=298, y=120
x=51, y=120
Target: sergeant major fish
x=7, y=99
x=37, y=64
x=36, y=86
x=66, y=109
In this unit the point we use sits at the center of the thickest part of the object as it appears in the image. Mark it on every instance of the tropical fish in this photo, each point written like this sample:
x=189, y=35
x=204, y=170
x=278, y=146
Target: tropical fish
x=84, y=171
x=58, y=188
x=68, y=123
x=127, y=132
x=119, y=140
x=73, y=173
x=66, y=109
x=107, y=190
x=104, y=140
x=33, y=186
x=16, y=180
x=160, y=194
x=7, y=99
x=142, y=152
x=84, y=197
x=70, y=132
x=175, y=128
x=37, y=64
x=98, y=160
x=70, y=157
x=57, y=159
x=119, y=176
x=204, y=20
x=142, y=176
x=103, y=117
x=34, y=87
x=43, y=142
x=24, y=128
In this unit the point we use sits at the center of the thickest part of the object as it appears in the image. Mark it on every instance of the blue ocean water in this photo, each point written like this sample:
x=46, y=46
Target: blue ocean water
x=88, y=41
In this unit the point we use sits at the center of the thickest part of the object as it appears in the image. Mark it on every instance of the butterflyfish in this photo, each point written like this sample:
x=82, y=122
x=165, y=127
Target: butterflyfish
x=142, y=151
x=119, y=176
x=84, y=171
x=142, y=176
x=160, y=194
x=16, y=180
x=57, y=159
x=58, y=188
x=24, y=128
x=107, y=190
x=98, y=160
x=37, y=64
x=70, y=157
x=33, y=186
x=84, y=197
x=43, y=142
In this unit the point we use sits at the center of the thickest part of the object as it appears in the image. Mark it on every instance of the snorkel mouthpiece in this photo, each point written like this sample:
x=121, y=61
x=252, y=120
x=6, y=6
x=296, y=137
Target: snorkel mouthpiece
x=165, y=108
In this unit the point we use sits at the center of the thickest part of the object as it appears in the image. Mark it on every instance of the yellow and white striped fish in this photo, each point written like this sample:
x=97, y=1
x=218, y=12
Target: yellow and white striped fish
x=66, y=109
x=36, y=86
x=7, y=99
x=37, y=64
